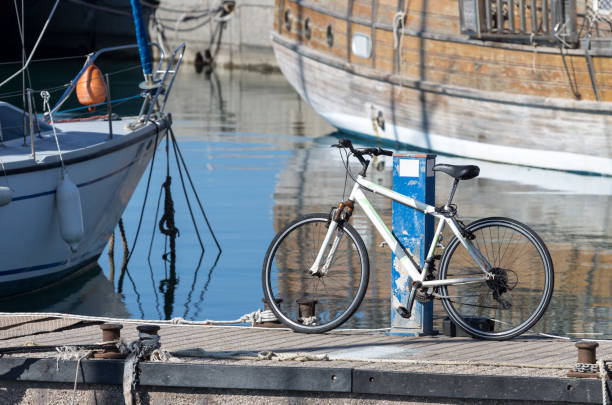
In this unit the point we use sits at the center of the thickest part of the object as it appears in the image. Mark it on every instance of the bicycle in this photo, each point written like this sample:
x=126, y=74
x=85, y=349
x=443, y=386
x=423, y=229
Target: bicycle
x=494, y=268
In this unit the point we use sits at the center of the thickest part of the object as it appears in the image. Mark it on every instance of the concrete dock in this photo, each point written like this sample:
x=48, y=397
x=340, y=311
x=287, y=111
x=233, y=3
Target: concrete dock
x=213, y=364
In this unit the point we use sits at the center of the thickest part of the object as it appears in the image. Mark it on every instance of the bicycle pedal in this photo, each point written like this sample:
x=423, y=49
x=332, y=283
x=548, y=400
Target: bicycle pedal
x=403, y=312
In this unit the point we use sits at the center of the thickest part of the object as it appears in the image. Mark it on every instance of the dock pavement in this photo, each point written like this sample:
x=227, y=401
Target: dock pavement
x=234, y=364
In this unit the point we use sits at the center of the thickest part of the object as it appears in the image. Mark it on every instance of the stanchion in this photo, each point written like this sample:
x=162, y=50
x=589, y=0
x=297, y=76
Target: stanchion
x=412, y=176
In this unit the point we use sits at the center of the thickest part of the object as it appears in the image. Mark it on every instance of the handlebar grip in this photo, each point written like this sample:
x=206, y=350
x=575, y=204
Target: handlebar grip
x=345, y=143
x=377, y=151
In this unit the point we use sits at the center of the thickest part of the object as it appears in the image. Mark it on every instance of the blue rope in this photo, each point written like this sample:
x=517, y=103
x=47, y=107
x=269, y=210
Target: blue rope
x=97, y=105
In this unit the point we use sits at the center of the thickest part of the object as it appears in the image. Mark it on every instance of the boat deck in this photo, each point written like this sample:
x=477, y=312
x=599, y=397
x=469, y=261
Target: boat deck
x=73, y=136
x=441, y=358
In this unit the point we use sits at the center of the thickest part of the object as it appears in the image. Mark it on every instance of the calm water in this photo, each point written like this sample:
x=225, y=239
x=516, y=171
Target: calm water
x=259, y=157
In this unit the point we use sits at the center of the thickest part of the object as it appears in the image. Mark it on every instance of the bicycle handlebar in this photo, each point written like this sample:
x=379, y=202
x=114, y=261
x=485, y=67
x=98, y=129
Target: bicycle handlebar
x=346, y=143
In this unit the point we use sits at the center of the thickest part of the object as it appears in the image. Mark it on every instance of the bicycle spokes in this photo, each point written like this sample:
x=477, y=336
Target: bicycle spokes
x=521, y=286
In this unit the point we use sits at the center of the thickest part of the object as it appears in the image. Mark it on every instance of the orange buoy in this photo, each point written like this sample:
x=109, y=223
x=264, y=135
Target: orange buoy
x=90, y=87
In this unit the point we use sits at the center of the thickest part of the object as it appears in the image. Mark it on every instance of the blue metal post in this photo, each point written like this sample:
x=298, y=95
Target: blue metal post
x=141, y=37
x=412, y=176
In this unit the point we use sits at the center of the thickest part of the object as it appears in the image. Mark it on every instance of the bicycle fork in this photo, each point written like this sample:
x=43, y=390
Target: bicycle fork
x=316, y=268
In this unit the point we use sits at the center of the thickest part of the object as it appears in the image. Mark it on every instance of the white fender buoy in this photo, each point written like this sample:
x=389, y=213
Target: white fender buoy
x=6, y=196
x=69, y=212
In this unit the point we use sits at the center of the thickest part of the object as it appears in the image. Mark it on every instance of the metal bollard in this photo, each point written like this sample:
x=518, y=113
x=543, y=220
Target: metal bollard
x=586, y=366
x=147, y=332
x=111, y=332
x=149, y=339
x=270, y=324
x=413, y=176
x=306, y=311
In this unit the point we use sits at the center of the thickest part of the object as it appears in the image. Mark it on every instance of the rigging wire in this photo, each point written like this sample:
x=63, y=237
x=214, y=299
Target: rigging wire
x=45, y=60
x=120, y=11
x=101, y=8
x=44, y=29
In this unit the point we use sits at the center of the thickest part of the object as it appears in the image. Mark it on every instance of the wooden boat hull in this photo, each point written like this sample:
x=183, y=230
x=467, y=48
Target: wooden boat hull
x=515, y=88
x=531, y=131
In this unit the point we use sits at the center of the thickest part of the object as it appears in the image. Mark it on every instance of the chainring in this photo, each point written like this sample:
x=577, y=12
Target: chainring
x=426, y=294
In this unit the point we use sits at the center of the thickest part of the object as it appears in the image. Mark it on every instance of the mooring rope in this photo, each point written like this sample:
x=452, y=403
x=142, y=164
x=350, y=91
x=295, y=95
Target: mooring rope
x=77, y=353
x=46, y=96
x=138, y=350
x=258, y=316
x=603, y=374
x=398, y=37
x=305, y=356
x=166, y=223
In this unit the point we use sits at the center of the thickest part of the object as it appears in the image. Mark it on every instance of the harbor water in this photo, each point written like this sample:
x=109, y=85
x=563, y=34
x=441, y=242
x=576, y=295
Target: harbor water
x=259, y=157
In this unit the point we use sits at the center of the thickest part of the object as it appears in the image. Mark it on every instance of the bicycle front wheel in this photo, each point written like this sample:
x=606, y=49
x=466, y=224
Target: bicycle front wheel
x=518, y=296
x=335, y=293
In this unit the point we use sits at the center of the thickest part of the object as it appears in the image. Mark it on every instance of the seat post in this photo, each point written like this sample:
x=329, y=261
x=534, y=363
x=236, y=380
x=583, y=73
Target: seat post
x=452, y=193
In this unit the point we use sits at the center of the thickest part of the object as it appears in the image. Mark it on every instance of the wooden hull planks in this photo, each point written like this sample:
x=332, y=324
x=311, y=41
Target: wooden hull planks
x=448, y=92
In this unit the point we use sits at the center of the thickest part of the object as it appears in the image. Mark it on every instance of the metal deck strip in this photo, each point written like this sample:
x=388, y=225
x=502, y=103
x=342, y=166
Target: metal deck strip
x=310, y=379
x=475, y=387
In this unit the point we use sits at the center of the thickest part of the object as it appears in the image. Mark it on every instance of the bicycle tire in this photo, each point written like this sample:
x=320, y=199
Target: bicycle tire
x=514, y=303
x=286, y=276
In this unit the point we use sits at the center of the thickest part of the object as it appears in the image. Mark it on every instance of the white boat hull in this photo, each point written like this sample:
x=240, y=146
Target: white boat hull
x=33, y=251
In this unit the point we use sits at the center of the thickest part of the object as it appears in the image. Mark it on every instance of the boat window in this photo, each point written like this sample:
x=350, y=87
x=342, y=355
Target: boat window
x=526, y=21
x=288, y=20
x=307, y=29
x=602, y=6
x=330, y=36
x=361, y=45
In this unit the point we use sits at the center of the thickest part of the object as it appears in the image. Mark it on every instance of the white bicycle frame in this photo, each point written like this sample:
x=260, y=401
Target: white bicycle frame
x=417, y=274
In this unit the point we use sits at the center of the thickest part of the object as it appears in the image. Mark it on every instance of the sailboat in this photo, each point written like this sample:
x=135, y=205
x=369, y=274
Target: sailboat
x=65, y=183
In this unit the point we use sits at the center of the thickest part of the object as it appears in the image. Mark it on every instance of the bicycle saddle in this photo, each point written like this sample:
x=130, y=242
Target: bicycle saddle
x=459, y=172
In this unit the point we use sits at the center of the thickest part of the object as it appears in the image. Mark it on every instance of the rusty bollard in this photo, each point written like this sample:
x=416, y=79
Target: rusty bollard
x=586, y=366
x=270, y=324
x=147, y=334
x=111, y=333
x=307, y=314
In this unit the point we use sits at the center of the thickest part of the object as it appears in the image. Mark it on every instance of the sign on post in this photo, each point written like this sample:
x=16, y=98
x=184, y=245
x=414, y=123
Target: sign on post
x=413, y=176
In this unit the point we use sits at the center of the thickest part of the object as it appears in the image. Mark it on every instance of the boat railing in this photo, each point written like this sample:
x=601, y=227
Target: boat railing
x=529, y=21
x=163, y=84
x=166, y=80
x=91, y=58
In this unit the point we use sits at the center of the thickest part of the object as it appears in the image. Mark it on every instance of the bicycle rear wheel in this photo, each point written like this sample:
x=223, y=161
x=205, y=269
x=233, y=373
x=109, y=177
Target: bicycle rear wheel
x=512, y=303
x=288, y=282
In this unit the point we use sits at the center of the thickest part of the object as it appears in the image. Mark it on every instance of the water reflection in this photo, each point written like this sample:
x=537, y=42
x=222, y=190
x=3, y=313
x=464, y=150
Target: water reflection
x=259, y=158
x=570, y=212
x=87, y=292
